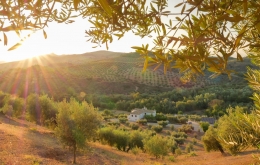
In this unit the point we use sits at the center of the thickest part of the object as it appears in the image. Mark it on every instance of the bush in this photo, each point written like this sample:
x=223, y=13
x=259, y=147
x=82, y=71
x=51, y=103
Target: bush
x=178, y=151
x=157, y=128
x=160, y=117
x=142, y=121
x=122, y=120
x=157, y=146
x=136, y=150
x=150, y=118
x=189, y=147
x=183, y=120
x=172, y=158
x=179, y=134
x=163, y=123
x=204, y=125
x=172, y=119
x=194, y=141
x=134, y=126
x=187, y=128
x=193, y=154
x=172, y=127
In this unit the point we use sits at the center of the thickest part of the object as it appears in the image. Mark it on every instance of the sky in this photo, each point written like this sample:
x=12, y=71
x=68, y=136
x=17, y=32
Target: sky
x=66, y=39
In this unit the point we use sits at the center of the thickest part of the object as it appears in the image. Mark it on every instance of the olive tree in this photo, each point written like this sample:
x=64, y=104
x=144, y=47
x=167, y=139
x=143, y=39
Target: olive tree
x=76, y=124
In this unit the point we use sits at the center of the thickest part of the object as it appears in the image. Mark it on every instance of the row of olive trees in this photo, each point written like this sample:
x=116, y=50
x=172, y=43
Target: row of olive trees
x=214, y=99
x=147, y=141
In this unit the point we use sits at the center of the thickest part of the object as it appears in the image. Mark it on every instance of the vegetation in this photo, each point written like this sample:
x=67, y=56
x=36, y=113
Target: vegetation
x=204, y=126
x=157, y=146
x=76, y=124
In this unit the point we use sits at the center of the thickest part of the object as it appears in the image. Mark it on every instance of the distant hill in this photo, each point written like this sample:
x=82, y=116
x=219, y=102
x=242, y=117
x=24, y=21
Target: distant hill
x=99, y=72
x=52, y=59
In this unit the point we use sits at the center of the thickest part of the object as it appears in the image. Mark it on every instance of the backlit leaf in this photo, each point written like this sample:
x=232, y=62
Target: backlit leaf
x=5, y=39
x=76, y=3
x=44, y=34
x=239, y=57
x=178, y=4
x=245, y=6
x=15, y=46
x=104, y=4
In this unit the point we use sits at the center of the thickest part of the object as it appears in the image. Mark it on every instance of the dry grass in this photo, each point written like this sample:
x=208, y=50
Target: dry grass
x=25, y=143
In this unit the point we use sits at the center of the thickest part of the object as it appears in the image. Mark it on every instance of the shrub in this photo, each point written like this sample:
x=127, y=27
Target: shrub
x=157, y=128
x=142, y=121
x=183, y=120
x=174, y=146
x=179, y=134
x=172, y=158
x=189, y=147
x=193, y=154
x=187, y=128
x=136, y=150
x=163, y=123
x=172, y=127
x=160, y=117
x=178, y=151
x=134, y=126
x=150, y=118
x=122, y=120
x=172, y=119
x=194, y=141
x=157, y=146
x=204, y=125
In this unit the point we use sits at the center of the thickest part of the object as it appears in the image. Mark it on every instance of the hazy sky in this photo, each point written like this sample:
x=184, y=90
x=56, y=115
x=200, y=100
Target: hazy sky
x=67, y=39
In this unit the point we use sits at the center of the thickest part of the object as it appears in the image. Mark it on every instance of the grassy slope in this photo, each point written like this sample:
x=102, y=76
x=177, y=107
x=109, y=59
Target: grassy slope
x=26, y=143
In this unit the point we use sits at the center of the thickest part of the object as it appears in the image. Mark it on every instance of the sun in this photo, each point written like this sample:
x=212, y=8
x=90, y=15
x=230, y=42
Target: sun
x=32, y=46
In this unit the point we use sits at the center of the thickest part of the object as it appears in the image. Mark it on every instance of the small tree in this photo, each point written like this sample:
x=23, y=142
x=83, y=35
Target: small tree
x=157, y=145
x=76, y=123
x=210, y=141
x=204, y=125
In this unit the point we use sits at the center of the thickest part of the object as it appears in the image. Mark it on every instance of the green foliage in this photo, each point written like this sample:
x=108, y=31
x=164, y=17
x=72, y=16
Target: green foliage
x=157, y=146
x=204, y=125
x=160, y=117
x=163, y=123
x=76, y=123
x=172, y=158
x=142, y=121
x=189, y=147
x=122, y=120
x=150, y=118
x=134, y=126
x=178, y=151
x=157, y=128
x=187, y=128
x=210, y=140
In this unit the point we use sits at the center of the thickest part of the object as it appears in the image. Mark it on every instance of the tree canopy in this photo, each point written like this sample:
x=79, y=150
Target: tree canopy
x=211, y=31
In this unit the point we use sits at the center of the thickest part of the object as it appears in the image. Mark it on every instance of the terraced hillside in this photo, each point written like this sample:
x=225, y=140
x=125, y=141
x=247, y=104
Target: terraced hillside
x=118, y=73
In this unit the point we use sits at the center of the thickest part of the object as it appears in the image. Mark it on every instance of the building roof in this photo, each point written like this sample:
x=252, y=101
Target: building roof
x=138, y=111
x=211, y=120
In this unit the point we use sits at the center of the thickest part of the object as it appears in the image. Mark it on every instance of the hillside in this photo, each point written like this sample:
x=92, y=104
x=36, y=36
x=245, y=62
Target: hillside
x=99, y=72
x=26, y=143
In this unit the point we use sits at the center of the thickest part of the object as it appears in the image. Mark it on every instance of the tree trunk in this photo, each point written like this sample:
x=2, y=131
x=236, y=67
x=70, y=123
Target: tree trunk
x=74, y=152
x=221, y=149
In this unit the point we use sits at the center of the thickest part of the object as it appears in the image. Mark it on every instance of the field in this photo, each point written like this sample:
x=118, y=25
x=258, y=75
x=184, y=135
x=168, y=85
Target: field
x=27, y=143
x=112, y=73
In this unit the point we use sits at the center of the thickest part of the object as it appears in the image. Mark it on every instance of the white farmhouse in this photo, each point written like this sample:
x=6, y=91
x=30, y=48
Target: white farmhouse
x=137, y=114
